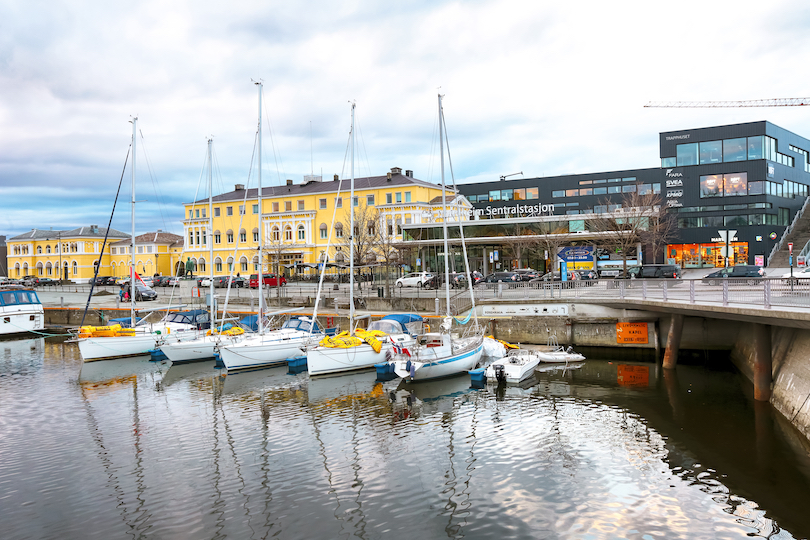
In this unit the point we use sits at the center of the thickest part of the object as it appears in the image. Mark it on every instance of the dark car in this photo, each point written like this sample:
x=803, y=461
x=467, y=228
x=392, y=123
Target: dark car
x=160, y=281
x=750, y=273
x=45, y=281
x=104, y=280
x=527, y=274
x=457, y=281
x=142, y=292
x=499, y=277
x=655, y=271
x=222, y=281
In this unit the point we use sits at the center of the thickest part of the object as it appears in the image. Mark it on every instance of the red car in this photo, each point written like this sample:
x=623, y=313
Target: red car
x=270, y=280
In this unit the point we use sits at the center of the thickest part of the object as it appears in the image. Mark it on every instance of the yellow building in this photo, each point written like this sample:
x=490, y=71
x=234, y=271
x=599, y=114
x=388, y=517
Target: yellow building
x=41, y=253
x=297, y=219
x=156, y=253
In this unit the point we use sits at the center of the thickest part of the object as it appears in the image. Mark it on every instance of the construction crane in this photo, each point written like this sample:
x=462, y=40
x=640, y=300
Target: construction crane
x=779, y=102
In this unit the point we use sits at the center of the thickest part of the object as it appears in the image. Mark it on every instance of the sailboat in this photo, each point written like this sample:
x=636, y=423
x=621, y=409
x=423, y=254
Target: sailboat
x=269, y=347
x=441, y=354
x=104, y=342
x=354, y=350
x=204, y=346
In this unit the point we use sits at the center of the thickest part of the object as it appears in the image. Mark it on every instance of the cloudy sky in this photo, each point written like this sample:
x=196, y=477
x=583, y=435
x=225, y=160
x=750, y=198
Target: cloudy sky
x=541, y=87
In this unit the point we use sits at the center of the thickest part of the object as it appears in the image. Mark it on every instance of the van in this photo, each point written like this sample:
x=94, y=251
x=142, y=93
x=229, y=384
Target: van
x=655, y=271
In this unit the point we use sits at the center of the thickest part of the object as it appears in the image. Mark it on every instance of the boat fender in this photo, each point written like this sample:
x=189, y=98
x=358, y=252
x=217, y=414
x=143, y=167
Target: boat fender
x=412, y=370
x=408, y=366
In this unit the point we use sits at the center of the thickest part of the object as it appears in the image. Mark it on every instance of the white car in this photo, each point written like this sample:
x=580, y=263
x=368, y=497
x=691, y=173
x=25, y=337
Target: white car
x=206, y=282
x=798, y=273
x=414, y=279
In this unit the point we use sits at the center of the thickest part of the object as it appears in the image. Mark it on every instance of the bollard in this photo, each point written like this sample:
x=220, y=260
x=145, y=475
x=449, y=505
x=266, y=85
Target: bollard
x=500, y=289
x=117, y=302
x=437, y=305
x=62, y=301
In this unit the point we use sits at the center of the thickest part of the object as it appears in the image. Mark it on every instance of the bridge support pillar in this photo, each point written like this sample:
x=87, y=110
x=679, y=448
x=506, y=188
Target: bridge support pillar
x=763, y=365
x=673, y=342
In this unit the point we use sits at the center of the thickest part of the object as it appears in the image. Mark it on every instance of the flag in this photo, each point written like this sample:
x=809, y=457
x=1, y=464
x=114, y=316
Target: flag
x=135, y=273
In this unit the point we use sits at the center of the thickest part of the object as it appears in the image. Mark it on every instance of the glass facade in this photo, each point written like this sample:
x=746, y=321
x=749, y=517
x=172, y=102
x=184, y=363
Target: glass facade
x=705, y=255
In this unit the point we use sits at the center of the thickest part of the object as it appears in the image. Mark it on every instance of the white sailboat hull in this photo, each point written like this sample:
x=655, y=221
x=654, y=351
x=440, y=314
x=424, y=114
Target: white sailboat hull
x=324, y=360
x=196, y=350
x=105, y=348
x=435, y=362
x=271, y=349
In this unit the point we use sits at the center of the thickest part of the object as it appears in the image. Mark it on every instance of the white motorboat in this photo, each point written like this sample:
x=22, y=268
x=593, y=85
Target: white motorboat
x=560, y=355
x=20, y=312
x=514, y=367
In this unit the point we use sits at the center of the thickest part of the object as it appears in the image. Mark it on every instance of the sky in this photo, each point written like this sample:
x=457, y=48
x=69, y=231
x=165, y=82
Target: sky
x=541, y=88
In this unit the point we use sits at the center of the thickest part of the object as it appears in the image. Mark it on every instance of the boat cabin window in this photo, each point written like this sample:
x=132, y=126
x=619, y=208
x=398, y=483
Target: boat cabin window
x=11, y=298
x=300, y=324
x=389, y=327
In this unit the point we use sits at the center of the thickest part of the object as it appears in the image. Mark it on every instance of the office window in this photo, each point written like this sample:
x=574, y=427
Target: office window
x=275, y=207
x=255, y=208
x=756, y=147
x=644, y=189
x=388, y=198
x=472, y=198
x=784, y=218
x=495, y=195
x=599, y=190
x=532, y=193
x=216, y=212
x=571, y=192
x=288, y=206
x=668, y=162
x=519, y=194
x=629, y=179
x=300, y=205
x=656, y=188
x=710, y=152
x=399, y=197
x=614, y=189
x=322, y=204
x=585, y=191
x=369, y=200
x=687, y=154
x=599, y=181
x=735, y=150
x=585, y=182
x=629, y=188
x=506, y=195
x=559, y=193
x=229, y=210
x=407, y=196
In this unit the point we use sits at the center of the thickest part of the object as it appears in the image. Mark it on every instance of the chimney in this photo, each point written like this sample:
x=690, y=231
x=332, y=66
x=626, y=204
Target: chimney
x=336, y=178
x=396, y=170
x=409, y=173
x=289, y=182
x=389, y=177
x=239, y=187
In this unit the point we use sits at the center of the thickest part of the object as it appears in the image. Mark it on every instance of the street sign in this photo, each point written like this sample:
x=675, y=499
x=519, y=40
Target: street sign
x=790, y=247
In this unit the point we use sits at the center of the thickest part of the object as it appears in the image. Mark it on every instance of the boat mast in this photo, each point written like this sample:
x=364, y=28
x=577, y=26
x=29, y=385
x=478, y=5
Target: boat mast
x=444, y=208
x=351, y=235
x=261, y=225
x=212, y=310
x=132, y=255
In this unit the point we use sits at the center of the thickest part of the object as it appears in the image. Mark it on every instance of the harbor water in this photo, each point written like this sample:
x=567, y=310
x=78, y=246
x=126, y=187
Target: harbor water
x=138, y=449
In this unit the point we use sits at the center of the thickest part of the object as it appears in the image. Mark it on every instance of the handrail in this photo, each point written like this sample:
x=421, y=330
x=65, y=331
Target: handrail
x=788, y=230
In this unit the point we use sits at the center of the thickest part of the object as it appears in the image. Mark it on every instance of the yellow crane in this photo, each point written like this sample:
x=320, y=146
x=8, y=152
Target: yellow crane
x=778, y=102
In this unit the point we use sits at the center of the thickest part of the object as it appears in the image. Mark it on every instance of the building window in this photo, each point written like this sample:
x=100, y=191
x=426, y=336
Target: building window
x=241, y=209
x=322, y=204
x=369, y=200
x=288, y=234
x=338, y=202
x=229, y=236
x=356, y=201
x=735, y=184
x=255, y=235
x=388, y=198
x=571, y=192
x=614, y=189
x=216, y=212
x=323, y=230
x=300, y=205
x=668, y=162
x=243, y=264
x=506, y=194
x=243, y=235
x=288, y=206
x=585, y=191
x=496, y=195
x=197, y=212
x=113, y=251
x=218, y=265
x=711, y=186
x=302, y=235
x=191, y=214
x=687, y=154
x=275, y=207
x=558, y=193
x=255, y=208
x=629, y=188
x=532, y=193
x=229, y=210
x=39, y=250
x=734, y=150
x=519, y=194
x=196, y=234
x=76, y=265
x=710, y=152
x=399, y=197
x=600, y=191
x=190, y=237
x=407, y=196
x=338, y=230
x=276, y=234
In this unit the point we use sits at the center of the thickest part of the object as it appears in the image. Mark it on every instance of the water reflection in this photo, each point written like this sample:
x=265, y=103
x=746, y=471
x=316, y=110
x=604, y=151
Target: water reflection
x=606, y=450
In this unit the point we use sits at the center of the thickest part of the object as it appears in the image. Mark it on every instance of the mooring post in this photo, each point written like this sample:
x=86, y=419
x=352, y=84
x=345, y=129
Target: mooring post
x=673, y=342
x=763, y=366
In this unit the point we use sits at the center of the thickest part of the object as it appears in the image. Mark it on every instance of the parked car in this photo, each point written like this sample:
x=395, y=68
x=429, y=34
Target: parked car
x=414, y=279
x=103, y=280
x=173, y=281
x=457, y=281
x=799, y=274
x=45, y=281
x=655, y=271
x=496, y=277
x=750, y=273
x=270, y=280
x=222, y=281
x=527, y=274
x=160, y=281
x=144, y=293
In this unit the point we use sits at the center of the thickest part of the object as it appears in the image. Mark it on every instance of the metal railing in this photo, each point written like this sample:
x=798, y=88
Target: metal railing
x=788, y=230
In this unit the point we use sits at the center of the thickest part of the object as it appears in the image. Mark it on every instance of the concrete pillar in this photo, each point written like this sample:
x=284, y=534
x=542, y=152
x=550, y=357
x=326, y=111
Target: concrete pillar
x=673, y=342
x=763, y=366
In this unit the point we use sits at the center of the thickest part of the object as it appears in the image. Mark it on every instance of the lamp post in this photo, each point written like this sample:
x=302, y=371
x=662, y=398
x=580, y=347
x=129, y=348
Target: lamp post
x=59, y=240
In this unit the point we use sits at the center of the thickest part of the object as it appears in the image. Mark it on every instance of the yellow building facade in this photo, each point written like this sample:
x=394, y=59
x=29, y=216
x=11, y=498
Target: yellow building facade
x=42, y=253
x=303, y=223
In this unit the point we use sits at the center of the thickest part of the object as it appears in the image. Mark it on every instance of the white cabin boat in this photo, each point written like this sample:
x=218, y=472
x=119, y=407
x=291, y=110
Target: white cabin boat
x=20, y=312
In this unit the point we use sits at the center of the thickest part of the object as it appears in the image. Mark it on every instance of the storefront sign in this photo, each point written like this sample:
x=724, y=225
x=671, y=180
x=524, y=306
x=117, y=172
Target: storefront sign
x=759, y=260
x=672, y=174
x=516, y=210
x=675, y=183
x=772, y=236
x=525, y=310
x=627, y=332
x=675, y=193
x=672, y=203
x=576, y=253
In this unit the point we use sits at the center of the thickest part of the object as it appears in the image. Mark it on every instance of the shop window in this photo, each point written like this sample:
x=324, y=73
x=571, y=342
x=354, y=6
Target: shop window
x=735, y=184
x=687, y=154
x=711, y=186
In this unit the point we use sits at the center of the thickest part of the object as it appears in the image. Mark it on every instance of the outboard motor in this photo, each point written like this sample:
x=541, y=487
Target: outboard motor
x=569, y=350
x=500, y=375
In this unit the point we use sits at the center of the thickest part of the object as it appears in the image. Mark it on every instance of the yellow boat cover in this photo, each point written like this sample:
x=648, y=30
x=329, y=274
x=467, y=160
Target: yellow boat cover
x=345, y=341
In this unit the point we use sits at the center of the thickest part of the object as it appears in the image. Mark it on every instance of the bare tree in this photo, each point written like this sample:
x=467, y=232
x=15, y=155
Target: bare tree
x=662, y=231
x=364, y=237
x=386, y=247
x=554, y=235
x=626, y=225
x=520, y=243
